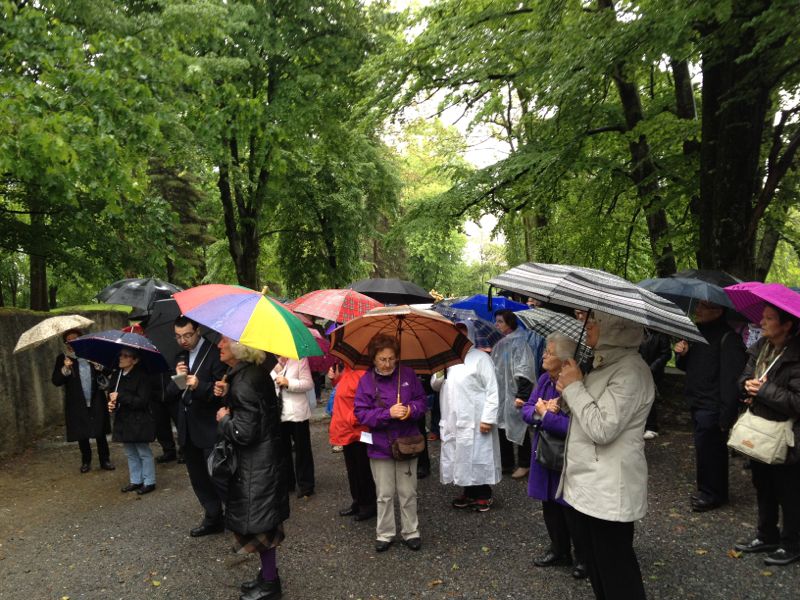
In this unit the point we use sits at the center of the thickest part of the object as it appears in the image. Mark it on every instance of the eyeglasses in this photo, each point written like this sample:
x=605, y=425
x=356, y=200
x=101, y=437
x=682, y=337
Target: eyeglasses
x=185, y=336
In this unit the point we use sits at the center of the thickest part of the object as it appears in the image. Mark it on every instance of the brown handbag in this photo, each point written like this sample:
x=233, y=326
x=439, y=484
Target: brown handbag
x=404, y=447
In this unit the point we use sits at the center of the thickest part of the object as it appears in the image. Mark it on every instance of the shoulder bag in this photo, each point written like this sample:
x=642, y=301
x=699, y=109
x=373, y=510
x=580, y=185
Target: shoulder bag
x=550, y=450
x=761, y=439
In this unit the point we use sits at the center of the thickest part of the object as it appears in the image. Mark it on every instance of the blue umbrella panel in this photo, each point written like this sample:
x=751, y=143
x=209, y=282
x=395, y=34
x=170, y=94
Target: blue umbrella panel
x=104, y=348
x=479, y=303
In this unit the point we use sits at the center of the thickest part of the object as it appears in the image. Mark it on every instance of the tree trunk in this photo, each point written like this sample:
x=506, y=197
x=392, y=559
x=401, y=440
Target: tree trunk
x=643, y=169
x=38, y=274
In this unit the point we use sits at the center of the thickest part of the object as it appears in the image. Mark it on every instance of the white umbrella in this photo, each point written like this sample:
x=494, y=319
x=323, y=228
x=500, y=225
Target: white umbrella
x=48, y=329
x=585, y=289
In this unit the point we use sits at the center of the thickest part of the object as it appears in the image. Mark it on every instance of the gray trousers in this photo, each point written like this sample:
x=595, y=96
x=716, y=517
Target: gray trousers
x=400, y=478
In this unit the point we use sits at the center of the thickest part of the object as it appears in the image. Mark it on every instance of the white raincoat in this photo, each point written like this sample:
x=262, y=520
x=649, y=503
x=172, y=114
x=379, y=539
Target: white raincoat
x=468, y=397
x=512, y=358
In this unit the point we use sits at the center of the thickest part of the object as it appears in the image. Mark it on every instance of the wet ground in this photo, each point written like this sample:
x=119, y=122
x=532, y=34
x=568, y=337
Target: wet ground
x=64, y=535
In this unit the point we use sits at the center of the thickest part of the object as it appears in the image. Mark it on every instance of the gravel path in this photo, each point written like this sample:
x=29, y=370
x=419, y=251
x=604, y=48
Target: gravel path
x=66, y=535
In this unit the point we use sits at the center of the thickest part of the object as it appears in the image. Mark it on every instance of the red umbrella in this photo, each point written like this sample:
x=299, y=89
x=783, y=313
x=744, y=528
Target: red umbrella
x=336, y=305
x=321, y=364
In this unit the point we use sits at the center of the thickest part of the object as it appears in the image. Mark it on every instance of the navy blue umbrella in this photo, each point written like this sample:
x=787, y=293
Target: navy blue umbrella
x=104, y=348
x=685, y=291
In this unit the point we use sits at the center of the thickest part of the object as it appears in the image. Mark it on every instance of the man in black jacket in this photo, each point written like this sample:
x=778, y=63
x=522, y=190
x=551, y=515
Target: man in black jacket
x=197, y=425
x=712, y=372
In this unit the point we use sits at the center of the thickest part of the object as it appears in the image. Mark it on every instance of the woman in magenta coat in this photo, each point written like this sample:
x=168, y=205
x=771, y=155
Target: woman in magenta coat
x=544, y=411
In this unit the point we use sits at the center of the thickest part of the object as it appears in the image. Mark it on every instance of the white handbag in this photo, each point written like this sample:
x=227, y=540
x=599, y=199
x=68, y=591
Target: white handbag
x=761, y=439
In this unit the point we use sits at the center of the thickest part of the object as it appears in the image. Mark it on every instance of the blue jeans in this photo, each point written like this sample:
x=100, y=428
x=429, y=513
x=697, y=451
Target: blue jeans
x=141, y=466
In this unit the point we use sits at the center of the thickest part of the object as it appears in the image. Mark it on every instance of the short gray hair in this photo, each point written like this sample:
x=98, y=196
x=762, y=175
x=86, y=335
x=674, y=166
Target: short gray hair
x=564, y=346
x=247, y=354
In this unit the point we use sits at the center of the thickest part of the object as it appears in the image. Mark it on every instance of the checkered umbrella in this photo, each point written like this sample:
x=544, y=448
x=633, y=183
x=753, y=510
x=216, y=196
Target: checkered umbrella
x=585, y=289
x=336, y=305
x=544, y=322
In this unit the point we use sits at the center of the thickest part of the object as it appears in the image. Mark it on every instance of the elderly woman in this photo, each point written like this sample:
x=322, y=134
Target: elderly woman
x=390, y=400
x=470, y=451
x=770, y=384
x=133, y=424
x=544, y=410
x=292, y=380
x=605, y=471
x=258, y=499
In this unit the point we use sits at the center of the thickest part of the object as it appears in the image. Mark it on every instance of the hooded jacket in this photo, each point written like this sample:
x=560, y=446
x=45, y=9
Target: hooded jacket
x=605, y=470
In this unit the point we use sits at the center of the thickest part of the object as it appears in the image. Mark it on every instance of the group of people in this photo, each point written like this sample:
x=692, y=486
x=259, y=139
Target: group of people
x=585, y=457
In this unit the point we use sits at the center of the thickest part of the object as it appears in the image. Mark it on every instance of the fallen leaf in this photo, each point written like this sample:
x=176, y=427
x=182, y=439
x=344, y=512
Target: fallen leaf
x=766, y=573
x=435, y=582
x=701, y=551
x=454, y=567
x=156, y=582
x=734, y=554
x=485, y=548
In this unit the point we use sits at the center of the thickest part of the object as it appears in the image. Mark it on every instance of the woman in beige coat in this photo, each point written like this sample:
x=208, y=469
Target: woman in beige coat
x=605, y=471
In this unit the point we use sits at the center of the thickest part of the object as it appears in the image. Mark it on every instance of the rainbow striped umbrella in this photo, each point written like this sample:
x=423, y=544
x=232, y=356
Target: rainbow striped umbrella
x=248, y=317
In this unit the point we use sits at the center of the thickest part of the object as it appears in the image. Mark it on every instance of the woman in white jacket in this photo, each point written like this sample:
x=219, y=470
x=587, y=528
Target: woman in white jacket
x=292, y=381
x=605, y=471
x=470, y=450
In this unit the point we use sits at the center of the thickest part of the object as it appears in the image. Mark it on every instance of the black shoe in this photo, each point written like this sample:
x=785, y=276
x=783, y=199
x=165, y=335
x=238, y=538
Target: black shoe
x=131, y=487
x=413, y=543
x=208, y=528
x=782, y=557
x=86, y=467
x=146, y=489
x=579, y=572
x=167, y=457
x=704, y=505
x=348, y=512
x=249, y=585
x=364, y=516
x=755, y=545
x=264, y=590
x=381, y=546
x=423, y=473
x=553, y=560
x=107, y=465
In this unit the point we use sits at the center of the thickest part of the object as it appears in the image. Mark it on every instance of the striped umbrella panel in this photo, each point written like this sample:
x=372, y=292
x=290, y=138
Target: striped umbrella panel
x=585, y=288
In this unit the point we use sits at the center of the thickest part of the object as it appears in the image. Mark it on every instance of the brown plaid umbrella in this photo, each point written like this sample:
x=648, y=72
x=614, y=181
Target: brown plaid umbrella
x=428, y=341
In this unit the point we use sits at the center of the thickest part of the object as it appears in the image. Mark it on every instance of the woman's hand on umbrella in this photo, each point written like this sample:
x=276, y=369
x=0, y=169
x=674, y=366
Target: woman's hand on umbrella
x=112, y=401
x=220, y=388
x=222, y=413
x=399, y=411
x=752, y=386
x=570, y=373
x=282, y=381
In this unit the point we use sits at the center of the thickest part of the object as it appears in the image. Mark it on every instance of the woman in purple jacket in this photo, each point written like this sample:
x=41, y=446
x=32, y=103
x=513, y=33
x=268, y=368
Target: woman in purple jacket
x=391, y=410
x=543, y=410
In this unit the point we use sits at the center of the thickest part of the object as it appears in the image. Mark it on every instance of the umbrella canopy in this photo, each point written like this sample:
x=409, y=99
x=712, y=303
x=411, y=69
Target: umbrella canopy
x=684, y=290
x=48, y=329
x=139, y=293
x=482, y=333
x=480, y=304
x=104, y=348
x=392, y=291
x=248, y=317
x=160, y=329
x=545, y=321
x=585, y=288
x=336, y=305
x=428, y=341
x=321, y=364
x=749, y=298
x=718, y=278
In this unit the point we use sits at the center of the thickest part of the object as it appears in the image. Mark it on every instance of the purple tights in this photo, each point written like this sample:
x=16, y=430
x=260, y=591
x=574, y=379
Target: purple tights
x=269, y=567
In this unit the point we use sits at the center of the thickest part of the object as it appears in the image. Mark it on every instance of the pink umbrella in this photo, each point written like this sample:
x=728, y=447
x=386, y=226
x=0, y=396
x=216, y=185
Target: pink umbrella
x=321, y=364
x=749, y=298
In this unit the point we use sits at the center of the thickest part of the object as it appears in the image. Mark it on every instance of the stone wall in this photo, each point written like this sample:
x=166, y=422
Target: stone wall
x=29, y=403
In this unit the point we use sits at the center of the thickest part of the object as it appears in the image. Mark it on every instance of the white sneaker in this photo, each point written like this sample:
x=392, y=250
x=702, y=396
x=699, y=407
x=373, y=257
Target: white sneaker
x=650, y=435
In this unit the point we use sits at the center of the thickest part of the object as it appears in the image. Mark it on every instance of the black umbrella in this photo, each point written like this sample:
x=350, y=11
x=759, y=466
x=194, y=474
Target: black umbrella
x=718, y=278
x=392, y=291
x=139, y=293
x=160, y=329
x=684, y=291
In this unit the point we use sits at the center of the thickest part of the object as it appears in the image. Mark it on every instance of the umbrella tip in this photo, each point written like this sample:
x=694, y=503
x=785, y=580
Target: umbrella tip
x=264, y=290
